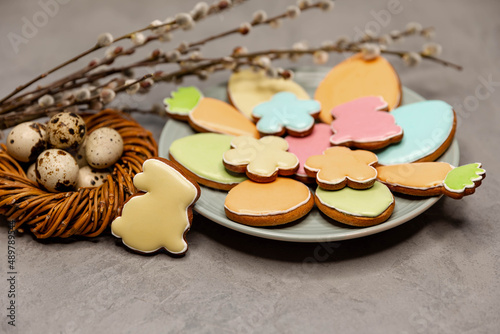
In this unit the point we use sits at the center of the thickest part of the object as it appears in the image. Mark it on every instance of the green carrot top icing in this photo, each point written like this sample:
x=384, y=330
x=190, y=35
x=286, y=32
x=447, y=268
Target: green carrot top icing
x=463, y=177
x=183, y=100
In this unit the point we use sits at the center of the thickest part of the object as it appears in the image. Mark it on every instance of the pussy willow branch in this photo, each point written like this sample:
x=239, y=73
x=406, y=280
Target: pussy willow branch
x=59, y=85
x=212, y=10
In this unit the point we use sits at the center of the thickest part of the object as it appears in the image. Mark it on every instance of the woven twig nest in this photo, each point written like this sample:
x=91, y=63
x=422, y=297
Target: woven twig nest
x=86, y=211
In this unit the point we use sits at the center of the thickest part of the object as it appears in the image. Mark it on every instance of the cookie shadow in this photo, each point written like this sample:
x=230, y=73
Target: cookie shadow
x=438, y=216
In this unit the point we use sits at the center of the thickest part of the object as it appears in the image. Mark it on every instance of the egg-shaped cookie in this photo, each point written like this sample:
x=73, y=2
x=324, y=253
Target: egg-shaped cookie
x=247, y=88
x=354, y=78
x=268, y=204
x=200, y=156
x=429, y=128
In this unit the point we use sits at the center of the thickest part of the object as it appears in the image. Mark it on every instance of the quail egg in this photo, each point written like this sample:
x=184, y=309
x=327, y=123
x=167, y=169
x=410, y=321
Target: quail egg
x=103, y=148
x=79, y=155
x=66, y=130
x=26, y=141
x=30, y=173
x=88, y=177
x=56, y=170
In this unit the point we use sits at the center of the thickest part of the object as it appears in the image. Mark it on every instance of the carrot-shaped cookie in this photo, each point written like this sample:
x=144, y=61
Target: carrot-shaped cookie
x=339, y=166
x=432, y=178
x=206, y=114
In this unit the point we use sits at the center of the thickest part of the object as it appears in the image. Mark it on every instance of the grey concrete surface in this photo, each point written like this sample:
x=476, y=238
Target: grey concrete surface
x=438, y=273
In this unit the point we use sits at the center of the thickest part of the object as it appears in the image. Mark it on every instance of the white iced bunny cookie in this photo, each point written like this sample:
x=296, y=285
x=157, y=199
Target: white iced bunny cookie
x=159, y=218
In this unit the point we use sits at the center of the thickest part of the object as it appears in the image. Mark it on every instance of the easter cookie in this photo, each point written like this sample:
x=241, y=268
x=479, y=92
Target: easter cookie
x=285, y=113
x=247, y=88
x=361, y=123
x=268, y=204
x=200, y=156
x=262, y=160
x=432, y=178
x=160, y=217
x=304, y=147
x=429, y=128
x=354, y=78
x=355, y=207
x=182, y=102
x=339, y=166
x=212, y=115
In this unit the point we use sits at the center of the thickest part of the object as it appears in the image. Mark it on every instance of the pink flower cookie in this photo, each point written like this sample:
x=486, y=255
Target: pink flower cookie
x=304, y=147
x=339, y=166
x=361, y=123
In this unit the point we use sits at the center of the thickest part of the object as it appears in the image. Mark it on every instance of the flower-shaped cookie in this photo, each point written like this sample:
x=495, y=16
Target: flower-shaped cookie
x=285, y=111
x=262, y=159
x=340, y=166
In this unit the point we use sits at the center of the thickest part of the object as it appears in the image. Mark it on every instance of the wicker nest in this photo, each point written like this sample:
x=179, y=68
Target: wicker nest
x=86, y=211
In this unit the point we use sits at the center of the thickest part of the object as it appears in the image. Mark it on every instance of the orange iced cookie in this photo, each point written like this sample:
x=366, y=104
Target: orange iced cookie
x=206, y=114
x=354, y=78
x=268, y=204
x=432, y=178
x=339, y=166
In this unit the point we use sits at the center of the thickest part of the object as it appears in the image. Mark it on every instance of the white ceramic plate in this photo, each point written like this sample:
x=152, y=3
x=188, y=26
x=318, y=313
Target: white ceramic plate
x=315, y=227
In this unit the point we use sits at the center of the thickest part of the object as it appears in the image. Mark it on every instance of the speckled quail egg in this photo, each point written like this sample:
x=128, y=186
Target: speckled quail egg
x=26, y=141
x=103, y=148
x=30, y=173
x=80, y=156
x=66, y=130
x=88, y=177
x=56, y=170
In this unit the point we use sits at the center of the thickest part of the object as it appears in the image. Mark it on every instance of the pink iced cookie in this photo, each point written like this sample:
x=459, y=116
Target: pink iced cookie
x=361, y=123
x=304, y=147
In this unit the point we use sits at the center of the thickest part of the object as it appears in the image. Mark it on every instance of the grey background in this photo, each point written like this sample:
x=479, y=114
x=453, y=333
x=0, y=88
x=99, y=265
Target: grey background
x=438, y=273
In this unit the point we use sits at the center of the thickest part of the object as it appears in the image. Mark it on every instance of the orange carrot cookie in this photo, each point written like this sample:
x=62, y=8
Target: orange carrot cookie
x=206, y=114
x=339, y=166
x=432, y=178
x=247, y=88
x=354, y=78
x=268, y=204
x=159, y=218
x=262, y=159
x=355, y=207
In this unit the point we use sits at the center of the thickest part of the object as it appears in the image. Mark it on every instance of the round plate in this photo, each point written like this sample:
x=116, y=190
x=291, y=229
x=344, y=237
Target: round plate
x=315, y=227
